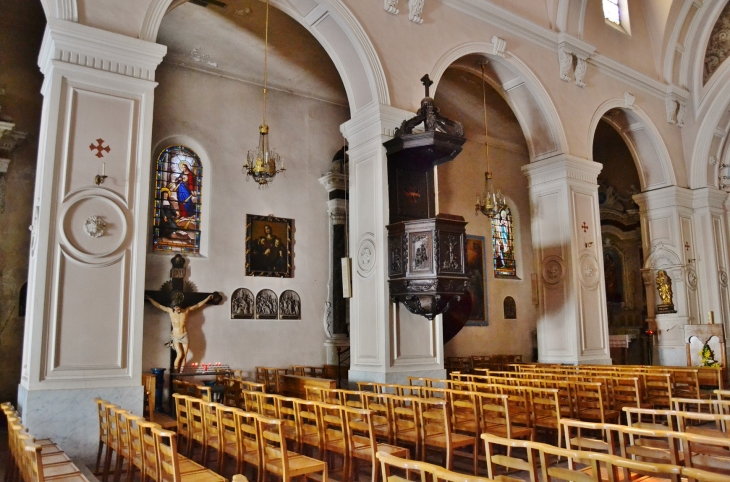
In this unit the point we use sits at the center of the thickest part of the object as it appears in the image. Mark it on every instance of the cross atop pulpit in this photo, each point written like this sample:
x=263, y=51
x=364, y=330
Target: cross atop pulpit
x=178, y=298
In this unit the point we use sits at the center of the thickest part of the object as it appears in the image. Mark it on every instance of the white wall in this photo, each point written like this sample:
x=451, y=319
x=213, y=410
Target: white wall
x=223, y=115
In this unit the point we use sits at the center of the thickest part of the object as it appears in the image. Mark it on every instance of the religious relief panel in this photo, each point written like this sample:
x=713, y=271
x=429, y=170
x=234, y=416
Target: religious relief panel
x=290, y=306
x=267, y=305
x=717, y=47
x=177, y=206
x=503, y=245
x=242, y=304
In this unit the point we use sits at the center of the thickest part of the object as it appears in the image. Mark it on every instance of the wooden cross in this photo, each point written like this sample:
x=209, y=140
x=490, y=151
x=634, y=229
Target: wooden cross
x=584, y=227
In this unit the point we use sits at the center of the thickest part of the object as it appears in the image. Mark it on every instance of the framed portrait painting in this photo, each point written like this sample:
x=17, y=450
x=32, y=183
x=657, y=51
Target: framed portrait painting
x=268, y=246
x=475, y=270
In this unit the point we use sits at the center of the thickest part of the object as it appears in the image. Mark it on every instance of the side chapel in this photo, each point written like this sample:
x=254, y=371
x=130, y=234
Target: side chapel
x=125, y=128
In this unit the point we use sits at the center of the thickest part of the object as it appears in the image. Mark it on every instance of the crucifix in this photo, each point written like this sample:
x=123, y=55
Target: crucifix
x=178, y=298
x=584, y=227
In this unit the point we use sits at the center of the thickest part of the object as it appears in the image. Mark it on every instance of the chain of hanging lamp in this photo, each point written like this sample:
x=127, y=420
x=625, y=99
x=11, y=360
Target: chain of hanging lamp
x=489, y=203
x=261, y=164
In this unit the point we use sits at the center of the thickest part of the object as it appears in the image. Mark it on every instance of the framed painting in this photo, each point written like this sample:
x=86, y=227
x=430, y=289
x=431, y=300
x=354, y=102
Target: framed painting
x=268, y=246
x=476, y=271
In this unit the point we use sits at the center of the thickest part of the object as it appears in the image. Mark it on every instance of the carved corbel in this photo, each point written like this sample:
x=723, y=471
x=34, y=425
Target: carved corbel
x=499, y=46
x=570, y=48
x=391, y=6
x=629, y=100
x=415, y=9
x=676, y=105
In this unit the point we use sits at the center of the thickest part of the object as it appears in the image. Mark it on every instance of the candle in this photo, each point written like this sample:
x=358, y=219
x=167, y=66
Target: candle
x=711, y=317
x=103, y=168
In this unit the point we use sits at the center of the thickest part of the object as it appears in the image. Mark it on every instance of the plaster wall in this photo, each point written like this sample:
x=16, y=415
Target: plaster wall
x=459, y=97
x=22, y=27
x=222, y=116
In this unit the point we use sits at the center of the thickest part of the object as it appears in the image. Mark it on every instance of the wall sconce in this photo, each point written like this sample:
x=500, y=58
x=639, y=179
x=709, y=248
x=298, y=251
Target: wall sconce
x=692, y=260
x=99, y=179
x=588, y=245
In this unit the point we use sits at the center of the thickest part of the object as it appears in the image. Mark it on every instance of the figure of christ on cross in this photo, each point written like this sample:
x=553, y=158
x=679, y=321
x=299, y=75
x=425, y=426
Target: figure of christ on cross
x=179, y=333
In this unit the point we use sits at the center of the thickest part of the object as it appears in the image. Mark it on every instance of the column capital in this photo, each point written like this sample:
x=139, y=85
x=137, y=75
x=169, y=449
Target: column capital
x=333, y=181
x=709, y=197
x=376, y=122
x=563, y=166
x=76, y=44
x=664, y=197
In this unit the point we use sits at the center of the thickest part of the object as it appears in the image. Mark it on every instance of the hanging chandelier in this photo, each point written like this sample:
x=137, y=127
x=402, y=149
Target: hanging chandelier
x=261, y=164
x=489, y=203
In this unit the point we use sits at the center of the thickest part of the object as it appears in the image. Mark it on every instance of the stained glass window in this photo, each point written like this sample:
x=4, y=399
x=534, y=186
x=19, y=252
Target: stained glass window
x=611, y=11
x=503, y=245
x=178, y=181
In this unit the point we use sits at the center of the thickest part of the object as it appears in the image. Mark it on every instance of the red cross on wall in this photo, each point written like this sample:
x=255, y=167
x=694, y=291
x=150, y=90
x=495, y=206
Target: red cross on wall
x=584, y=227
x=99, y=147
x=686, y=245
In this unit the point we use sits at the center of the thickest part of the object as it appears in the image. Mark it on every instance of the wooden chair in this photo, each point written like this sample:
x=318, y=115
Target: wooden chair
x=249, y=442
x=149, y=453
x=308, y=420
x=633, y=468
x=169, y=462
x=382, y=422
x=658, y=389
x=103, y=430
x=551, y=472
x=592, y=404
x=136, y=454
x=183, y=419
x=334, y=434
x=627, y=392
x=709, y=424
x=576, y=437
x=405, y=426
x=123, y=442
x=496, y=418
x=165, y=421
x=656, y=446
x=706, y=453
x=686, y=383
x=437, y=432
x=702, y=475
x=387, y=462
x=212, y=438
x=196, y=427
x=113, y=439
x=287, y=414
x=494, y=459
x=362, y=441
x=660, y=419
x=545, y=411
x=232, y=389
x=278, y=460
x=230, y=438
x=33, y=468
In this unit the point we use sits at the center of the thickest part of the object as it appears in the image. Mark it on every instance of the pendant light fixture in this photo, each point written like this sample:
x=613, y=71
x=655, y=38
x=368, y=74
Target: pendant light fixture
x=489, y=203
x=261, y=164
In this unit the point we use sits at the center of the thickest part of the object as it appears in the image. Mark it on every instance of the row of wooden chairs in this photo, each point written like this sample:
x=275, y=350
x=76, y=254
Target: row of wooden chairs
x=540, y=462
x=707, y=376
x=144, y=446
x=469, y=363
x=269, y=376
x=259, y=437
x=35, y=460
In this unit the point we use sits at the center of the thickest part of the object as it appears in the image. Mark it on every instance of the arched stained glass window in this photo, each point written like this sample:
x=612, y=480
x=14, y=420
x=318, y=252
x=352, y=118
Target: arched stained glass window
x=177, y=201
x=503, y=245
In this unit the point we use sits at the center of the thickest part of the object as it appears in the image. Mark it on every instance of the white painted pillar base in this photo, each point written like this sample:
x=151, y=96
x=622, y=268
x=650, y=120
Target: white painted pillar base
x=387, y=342
x=566, y=234
x=83, y=330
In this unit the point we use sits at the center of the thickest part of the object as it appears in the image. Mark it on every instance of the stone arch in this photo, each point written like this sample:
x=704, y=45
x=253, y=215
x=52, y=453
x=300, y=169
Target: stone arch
x=522, y=91
x=334, y=27
x=643, y=140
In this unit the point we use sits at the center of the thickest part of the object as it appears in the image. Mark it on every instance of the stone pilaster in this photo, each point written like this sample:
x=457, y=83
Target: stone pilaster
x=387, y=342
x=83, y=332
x=566, y=233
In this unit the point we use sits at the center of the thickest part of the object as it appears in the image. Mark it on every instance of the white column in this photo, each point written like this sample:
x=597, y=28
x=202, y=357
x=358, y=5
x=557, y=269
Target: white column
x=669, y=241
x=712, y=256
x=566, y=235
x=387, y=342
x=83, y=332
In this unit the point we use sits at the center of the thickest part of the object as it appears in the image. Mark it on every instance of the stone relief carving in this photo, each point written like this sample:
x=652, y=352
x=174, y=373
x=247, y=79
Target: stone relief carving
x=553, y=270
x=267, y=305
x=676, y=109
x=415, y=9
x=500, y=45
x=366, y=256
x=95, y=227
x=691, y=278
x=570, y=48
x=589, y=271
x=722, y=276
x=718, y=47
x=566, y=64
x=290, y=306
x=391, y=6
x=581, y=65
x=242, y=304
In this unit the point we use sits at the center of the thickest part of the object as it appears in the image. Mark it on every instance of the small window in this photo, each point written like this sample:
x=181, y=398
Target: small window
x=510, y=308
x=612, y=11
x=503, y=245
x=178, y=181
